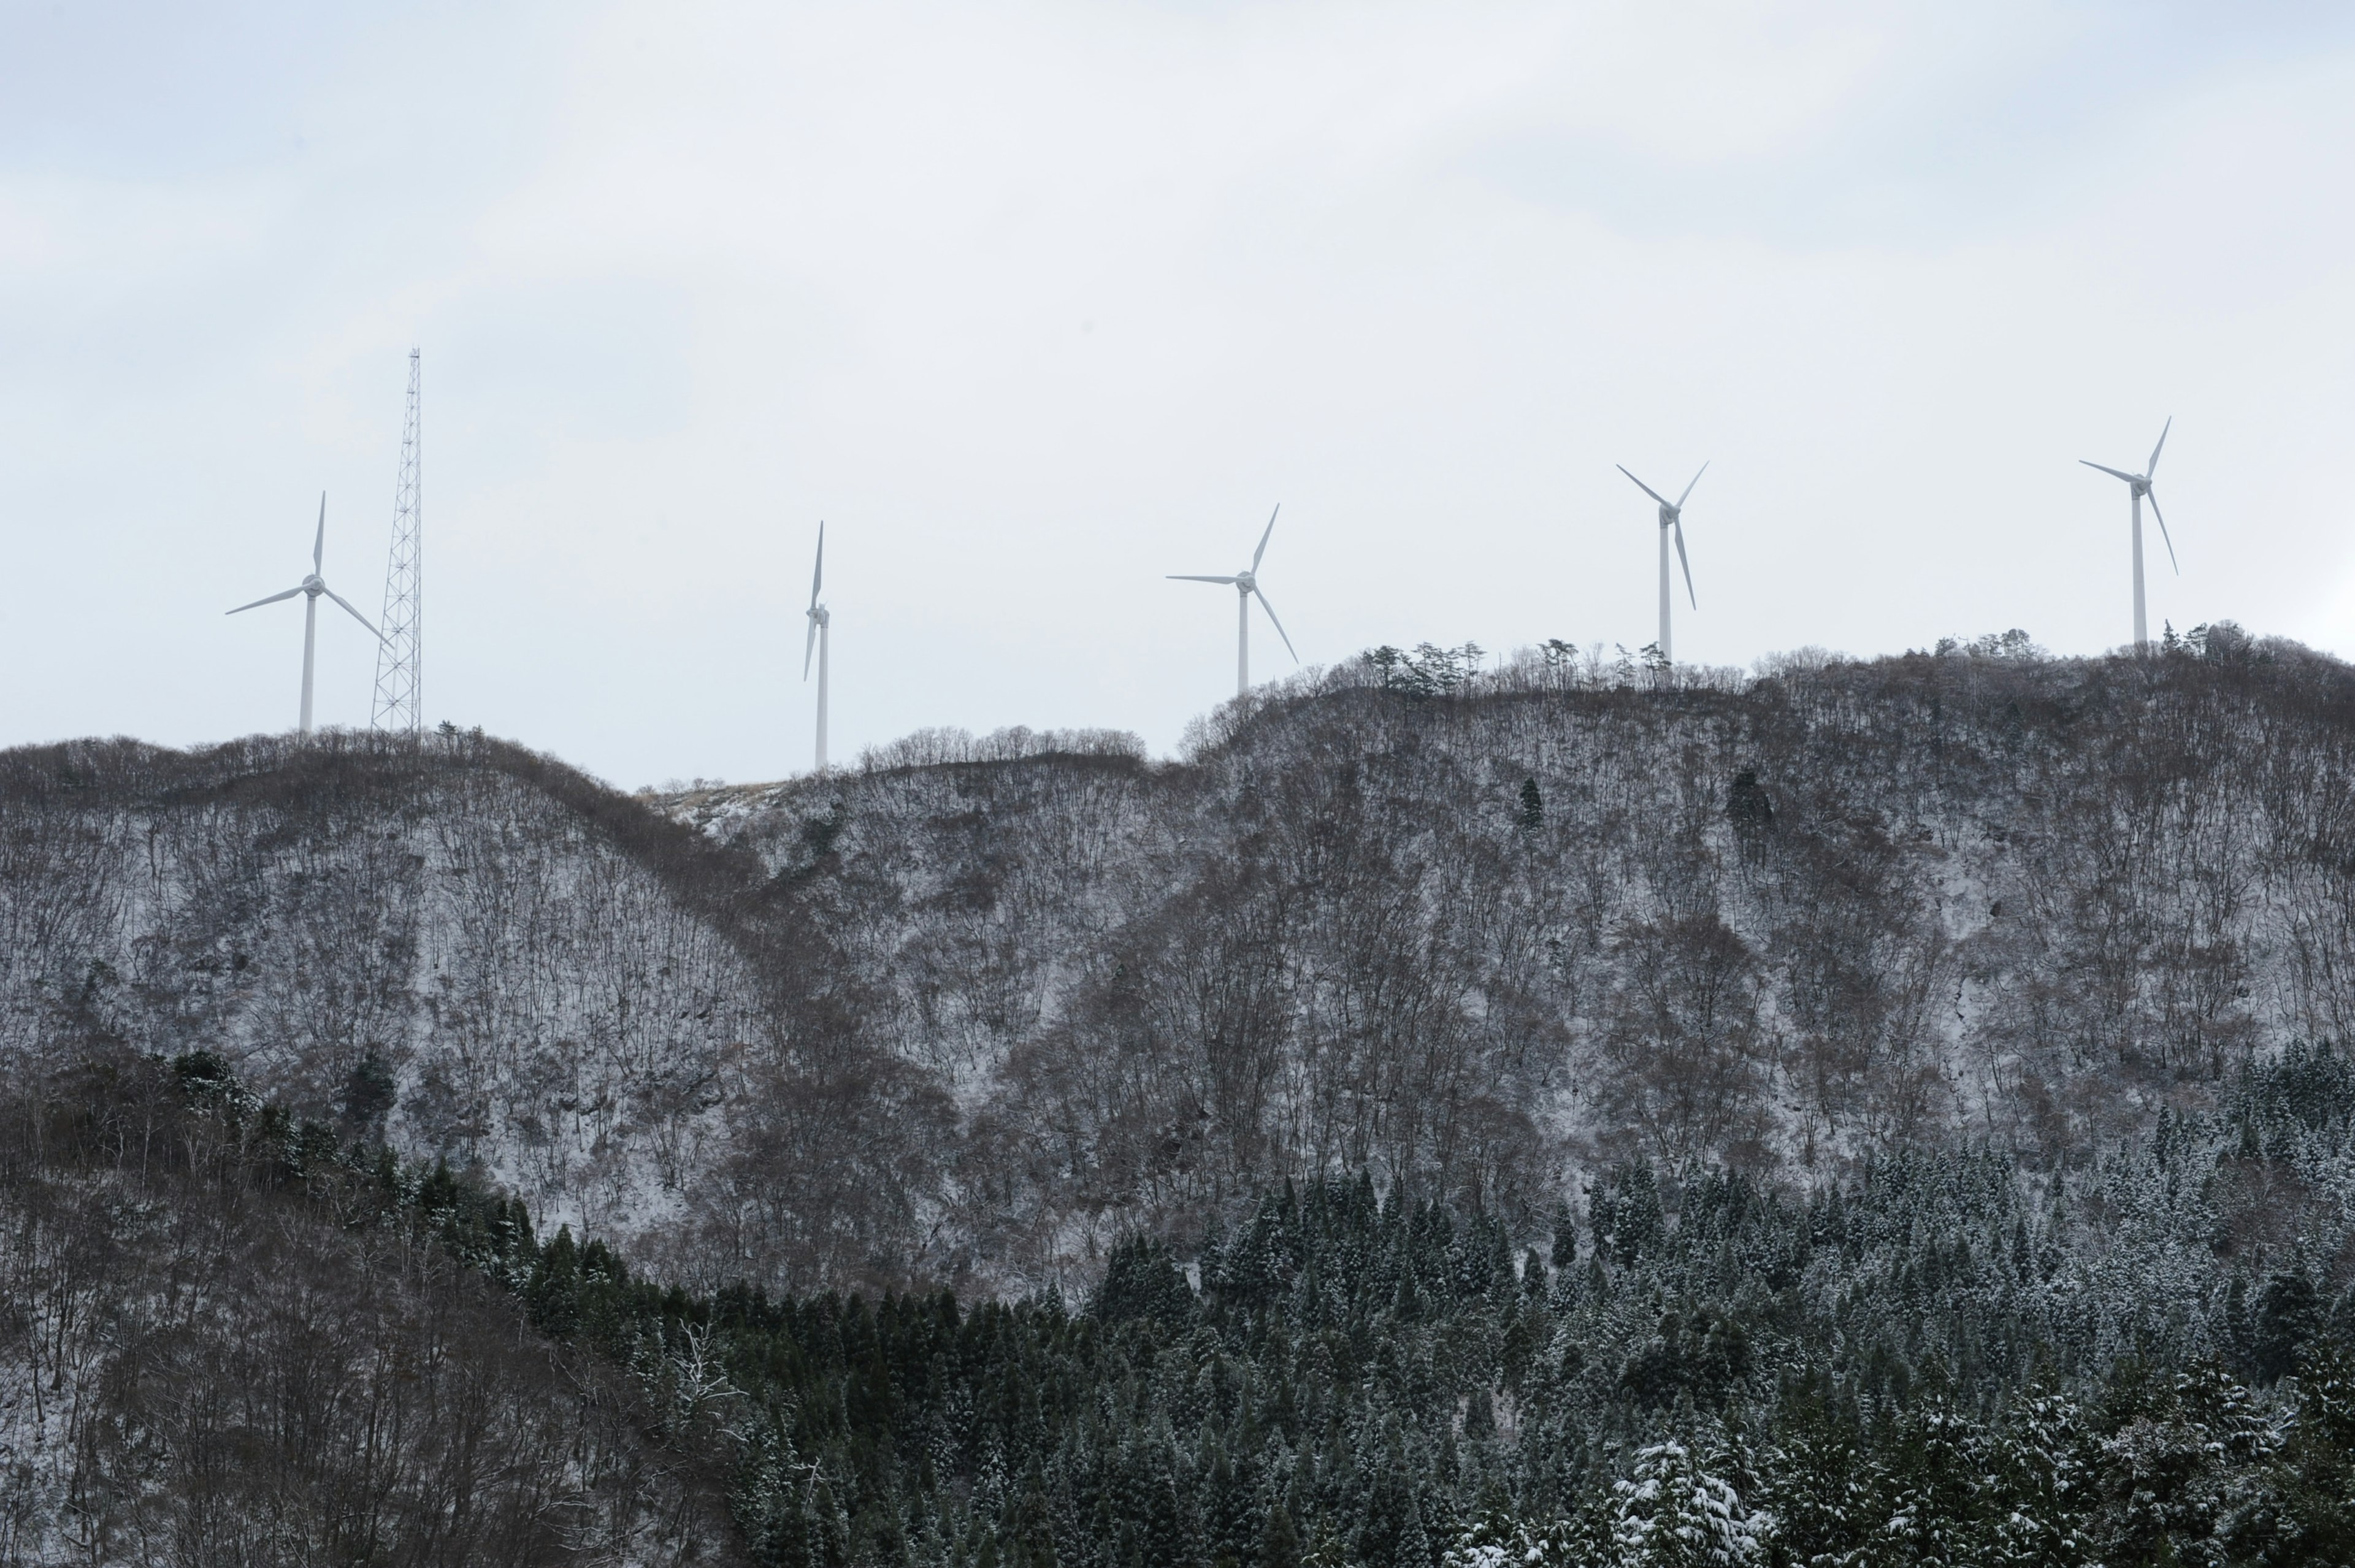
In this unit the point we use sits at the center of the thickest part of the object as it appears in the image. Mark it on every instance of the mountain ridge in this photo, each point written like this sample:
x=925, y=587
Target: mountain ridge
x=972, y=1011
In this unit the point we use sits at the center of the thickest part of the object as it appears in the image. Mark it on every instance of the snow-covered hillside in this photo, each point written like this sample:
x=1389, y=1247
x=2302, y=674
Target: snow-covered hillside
x=971, y=1009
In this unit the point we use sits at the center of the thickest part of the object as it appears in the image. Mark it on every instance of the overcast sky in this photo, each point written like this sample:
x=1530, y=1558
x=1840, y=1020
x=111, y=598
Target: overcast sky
x=1037, y=303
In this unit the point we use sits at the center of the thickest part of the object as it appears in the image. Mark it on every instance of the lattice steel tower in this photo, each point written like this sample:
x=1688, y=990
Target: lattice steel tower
x=400, y=669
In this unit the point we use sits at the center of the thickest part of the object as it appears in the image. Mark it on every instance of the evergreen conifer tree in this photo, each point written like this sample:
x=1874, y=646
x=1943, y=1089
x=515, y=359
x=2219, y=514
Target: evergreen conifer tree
x=1673, y=1514
x=553, y=1293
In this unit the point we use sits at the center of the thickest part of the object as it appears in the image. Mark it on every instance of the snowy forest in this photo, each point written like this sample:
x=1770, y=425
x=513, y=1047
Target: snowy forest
x=1572, y=1111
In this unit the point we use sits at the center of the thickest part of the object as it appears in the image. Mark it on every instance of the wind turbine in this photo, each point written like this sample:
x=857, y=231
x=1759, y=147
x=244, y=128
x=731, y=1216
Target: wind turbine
x=2139, y=486
x=819, y=621
x=1671, y=522
x=312, y=585
x=1245, y=585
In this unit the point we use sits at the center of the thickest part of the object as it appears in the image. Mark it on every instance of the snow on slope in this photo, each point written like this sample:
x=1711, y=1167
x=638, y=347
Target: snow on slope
x=973, y=1008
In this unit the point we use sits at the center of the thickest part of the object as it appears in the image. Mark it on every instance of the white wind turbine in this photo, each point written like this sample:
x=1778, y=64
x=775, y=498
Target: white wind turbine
x=2139, y=486
x=313, y=586
x=1671, y=522
x=1245, y=585
x=819, y=622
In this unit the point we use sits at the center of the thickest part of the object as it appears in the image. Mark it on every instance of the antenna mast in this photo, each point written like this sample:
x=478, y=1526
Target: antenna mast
x=400, y=671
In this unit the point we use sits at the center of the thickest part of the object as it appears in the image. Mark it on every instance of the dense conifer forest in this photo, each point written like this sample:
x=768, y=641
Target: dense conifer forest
x=232, y=1337
x=1574, y=1112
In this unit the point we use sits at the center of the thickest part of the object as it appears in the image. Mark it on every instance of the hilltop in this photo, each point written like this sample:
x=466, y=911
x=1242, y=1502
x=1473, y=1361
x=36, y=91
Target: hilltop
x=972, y=1009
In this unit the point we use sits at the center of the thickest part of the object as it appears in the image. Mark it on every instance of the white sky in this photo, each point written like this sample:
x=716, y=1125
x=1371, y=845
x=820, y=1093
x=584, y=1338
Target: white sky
x=1035, y=303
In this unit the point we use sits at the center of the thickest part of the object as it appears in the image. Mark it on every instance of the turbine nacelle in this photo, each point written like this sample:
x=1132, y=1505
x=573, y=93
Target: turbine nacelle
x=2140, y=488
x=316, y=587
x=1246, y=586
x=312, y=583
x=814, y=646
x=817, y=620
x=1672, y=514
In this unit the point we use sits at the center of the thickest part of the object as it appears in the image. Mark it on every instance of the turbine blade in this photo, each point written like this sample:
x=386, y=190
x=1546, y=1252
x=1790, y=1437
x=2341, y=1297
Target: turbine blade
x=818, y=576
x=1683, y=562
x=1182, y=577
x=271, y=600
x=319, y=540
x=809, y=646
x=1696, y=479
x=2156, y=450
x=1262, y=538
x=2106, y=468
x=356, y=615
x=2162, y=528
x=1279, y=625
x=1647, y=489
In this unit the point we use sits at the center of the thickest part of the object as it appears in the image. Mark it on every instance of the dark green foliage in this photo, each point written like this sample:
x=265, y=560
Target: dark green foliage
x=1624, y=1215
x=1140, y=1281
x=1279, y=1545
x=553, y=1293
x=1747, y=805
x=2307, y=1087
x=819, y=833
x=1702, y=1358
x=368, y=1094
x=1565, y=1237
x=2289, y=1313
x=202, y=1072
x=1428, y=671
x=1532, y=812
x=1912, y=1365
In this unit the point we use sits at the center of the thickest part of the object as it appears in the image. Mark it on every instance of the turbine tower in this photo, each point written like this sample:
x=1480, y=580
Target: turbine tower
x=1245, y=586
x=312, y=586
x=400, y=660
x=1671, y=522
x=819, y=622
x=2139, y=486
